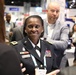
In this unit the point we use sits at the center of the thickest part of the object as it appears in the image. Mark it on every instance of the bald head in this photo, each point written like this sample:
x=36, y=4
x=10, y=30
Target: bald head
x=53, y=4
x=53, y=10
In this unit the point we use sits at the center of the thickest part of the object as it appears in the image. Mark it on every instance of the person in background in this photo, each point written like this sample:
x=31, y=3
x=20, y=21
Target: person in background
x=8, y=26
x=9, y=62
x=17, y=32
x=74, y=35
x=74, y=42
x=34, y=53
x=55, y=31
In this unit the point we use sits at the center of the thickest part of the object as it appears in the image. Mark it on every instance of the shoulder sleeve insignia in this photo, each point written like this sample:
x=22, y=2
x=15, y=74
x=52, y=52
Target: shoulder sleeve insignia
x=14, y=42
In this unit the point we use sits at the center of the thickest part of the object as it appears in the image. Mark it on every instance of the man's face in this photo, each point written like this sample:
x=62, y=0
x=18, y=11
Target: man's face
x=53, y=13
x=34, y=28
x=8, y=17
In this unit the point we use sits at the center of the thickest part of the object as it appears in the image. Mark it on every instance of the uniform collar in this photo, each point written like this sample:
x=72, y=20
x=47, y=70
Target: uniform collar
x=38, y=44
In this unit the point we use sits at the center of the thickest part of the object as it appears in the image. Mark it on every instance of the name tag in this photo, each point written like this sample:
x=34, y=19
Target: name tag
x=40, y=71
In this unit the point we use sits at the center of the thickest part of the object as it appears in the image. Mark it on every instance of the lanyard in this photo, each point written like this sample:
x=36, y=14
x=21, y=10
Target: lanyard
x=35, y=63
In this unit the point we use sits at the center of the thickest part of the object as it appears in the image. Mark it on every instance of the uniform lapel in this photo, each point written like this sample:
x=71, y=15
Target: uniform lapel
x=28, y=46
x=43, y=49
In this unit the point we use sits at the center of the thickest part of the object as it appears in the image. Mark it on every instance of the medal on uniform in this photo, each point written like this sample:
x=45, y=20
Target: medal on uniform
x=48, y=53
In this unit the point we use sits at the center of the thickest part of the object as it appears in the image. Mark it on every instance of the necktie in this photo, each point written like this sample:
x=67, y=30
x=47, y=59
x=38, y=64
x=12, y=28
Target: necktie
x=37, y=50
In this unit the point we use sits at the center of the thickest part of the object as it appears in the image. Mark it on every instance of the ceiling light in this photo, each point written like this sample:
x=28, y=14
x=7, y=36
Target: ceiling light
x=12, y=2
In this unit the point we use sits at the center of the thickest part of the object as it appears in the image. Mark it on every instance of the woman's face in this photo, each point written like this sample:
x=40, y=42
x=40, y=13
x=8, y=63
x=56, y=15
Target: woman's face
x=34, y=28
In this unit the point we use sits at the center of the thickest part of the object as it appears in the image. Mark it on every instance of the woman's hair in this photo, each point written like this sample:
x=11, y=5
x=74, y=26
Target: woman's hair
x=2, y=26
x=26, y=20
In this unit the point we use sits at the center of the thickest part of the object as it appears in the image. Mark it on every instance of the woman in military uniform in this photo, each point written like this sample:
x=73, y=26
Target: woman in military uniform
x=34, y=53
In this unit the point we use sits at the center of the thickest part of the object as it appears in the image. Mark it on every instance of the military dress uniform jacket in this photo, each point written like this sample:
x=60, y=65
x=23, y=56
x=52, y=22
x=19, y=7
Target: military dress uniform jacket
x=46, y=49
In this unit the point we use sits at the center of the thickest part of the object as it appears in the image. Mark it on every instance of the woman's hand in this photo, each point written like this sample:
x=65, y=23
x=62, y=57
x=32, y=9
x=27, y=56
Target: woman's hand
x=54, y=72
x=23, y=69
x=51, y=73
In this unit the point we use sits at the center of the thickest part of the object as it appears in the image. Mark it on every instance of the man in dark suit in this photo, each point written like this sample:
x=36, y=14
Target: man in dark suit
x=17, y=33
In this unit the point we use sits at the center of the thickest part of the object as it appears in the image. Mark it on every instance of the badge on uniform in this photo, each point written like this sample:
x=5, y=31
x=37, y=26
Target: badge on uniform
x=25, y=54
x=40, y=71
x=48, y=53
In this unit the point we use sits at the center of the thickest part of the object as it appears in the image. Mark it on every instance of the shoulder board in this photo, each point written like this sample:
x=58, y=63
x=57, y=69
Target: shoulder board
x=14, y=42
x=49, y=42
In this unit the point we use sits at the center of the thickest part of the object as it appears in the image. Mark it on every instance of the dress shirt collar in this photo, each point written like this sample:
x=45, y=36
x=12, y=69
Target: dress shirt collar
x=34, y=44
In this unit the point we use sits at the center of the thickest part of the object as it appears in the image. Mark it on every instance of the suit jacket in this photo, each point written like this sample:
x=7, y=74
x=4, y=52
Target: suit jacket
x=59, y=39
x=59, y=36
x=17, y=34
x=9, y=62
x=68, y=71
x=25, y=45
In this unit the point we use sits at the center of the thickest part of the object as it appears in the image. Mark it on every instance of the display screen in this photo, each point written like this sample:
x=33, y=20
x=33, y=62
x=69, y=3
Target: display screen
x=71, y=4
